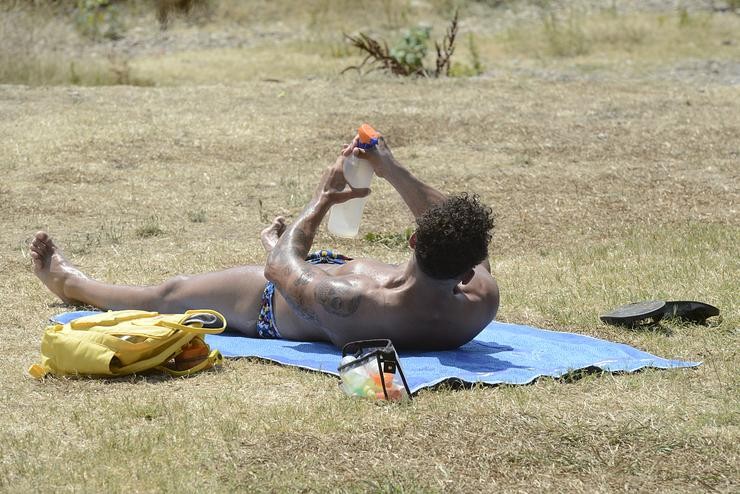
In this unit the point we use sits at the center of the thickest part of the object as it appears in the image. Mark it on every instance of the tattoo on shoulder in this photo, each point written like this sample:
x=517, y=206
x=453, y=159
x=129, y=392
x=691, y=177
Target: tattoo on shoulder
x=337, y=297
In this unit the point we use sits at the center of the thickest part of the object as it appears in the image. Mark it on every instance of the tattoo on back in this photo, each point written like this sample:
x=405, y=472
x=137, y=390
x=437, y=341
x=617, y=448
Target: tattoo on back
x=305, y=313
x=337, y=297
x=302, y=310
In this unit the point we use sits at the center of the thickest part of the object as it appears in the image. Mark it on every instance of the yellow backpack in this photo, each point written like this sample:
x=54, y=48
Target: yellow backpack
x=123, y=342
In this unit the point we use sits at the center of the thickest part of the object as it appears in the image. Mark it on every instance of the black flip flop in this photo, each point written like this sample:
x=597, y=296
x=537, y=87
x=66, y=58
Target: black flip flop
x=639, y=312
x=690, y=310
x=631, y=314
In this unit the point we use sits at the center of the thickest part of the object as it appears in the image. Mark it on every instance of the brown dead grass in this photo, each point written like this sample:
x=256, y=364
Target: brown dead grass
x=590, y=182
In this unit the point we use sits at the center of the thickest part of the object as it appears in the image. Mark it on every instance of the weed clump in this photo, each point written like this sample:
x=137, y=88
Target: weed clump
x=197, y=216
x=459, y=69
x=150, y=228
x=99, y=19
x=392, y=240
x=406, y=58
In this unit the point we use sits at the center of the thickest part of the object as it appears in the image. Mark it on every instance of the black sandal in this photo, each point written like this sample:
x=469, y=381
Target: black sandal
x=639, y=312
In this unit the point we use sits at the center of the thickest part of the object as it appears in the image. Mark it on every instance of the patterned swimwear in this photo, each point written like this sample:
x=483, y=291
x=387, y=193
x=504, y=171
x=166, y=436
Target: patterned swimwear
x=266, y=327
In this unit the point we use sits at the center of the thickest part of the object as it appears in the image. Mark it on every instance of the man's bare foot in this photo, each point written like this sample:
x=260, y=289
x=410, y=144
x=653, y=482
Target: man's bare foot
x=271, y=234
x=51, y=267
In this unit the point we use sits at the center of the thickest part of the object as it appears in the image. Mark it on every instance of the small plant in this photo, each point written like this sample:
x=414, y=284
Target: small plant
x=197, y=216
x=474, y=55
x=262, y=214
x=407, y=57
x=412, y=49
x=166, y=9
x=98, y=19
x=565, y=38
x=120, y=69
x=475, y=68
x=111, y=232
x=683, y=17
x=107, y=234
x=150, y=228
x=390, y=239
x=446, y=48
x=83, y=244
x=74, y=77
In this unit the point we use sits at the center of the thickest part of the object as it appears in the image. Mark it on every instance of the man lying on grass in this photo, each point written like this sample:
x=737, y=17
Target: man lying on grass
x=440, y=299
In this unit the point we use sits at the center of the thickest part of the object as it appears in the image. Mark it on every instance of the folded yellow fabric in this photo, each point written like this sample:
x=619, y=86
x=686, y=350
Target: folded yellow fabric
x=118, y=343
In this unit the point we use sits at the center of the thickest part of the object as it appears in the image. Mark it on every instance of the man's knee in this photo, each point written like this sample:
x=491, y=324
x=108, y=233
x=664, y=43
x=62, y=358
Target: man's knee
x=171, y=294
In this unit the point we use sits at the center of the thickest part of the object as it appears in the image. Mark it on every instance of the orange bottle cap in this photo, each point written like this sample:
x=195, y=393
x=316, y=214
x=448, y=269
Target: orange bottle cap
x=368, y=136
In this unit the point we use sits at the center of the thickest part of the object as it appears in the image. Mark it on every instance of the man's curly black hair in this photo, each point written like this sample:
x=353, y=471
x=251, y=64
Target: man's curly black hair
x=453, y=237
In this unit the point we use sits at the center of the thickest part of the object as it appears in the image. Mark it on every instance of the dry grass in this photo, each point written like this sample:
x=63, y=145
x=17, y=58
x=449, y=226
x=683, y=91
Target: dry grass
x=244, y=41
x=585, y=223
x=606, y=192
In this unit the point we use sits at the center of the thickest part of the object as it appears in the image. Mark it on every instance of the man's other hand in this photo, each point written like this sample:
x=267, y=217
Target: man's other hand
x=333, y=187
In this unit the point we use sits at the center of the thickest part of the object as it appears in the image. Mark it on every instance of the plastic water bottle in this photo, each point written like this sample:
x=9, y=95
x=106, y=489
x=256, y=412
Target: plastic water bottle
x=344, y=218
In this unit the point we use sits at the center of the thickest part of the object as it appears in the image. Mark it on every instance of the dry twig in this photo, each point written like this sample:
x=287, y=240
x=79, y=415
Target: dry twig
x=446, y=49
x=377, y=55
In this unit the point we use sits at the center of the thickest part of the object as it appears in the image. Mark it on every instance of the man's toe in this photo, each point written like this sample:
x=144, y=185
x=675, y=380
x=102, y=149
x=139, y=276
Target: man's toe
x=37, y=260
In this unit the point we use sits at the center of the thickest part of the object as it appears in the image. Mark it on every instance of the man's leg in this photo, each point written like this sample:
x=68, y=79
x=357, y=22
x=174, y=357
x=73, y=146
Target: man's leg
x=236, y=292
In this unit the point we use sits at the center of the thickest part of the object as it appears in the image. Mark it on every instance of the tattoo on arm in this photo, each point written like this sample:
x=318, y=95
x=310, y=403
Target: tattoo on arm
x=337, y=297
x=304, y=279
x=286, y=265
x=296, y=297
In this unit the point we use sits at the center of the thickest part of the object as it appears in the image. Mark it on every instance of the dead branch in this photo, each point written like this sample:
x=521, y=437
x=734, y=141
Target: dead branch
x=378, y=56
x=446, y=49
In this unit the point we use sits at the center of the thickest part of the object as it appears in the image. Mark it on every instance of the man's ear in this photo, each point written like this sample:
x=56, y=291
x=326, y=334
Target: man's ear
x=412, y=240
x=467, y=277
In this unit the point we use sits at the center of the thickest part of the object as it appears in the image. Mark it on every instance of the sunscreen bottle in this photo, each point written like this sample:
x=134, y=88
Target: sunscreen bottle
x=344, y=218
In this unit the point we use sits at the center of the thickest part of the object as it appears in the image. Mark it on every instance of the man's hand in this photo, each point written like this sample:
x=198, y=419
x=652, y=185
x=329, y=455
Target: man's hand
x=380, y=157
x=333, y=187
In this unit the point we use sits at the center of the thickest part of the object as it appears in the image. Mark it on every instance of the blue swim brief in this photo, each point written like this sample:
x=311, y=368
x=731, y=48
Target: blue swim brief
x=266, y=327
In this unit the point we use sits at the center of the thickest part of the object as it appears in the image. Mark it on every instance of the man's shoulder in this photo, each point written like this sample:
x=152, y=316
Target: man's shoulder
x=342, y=294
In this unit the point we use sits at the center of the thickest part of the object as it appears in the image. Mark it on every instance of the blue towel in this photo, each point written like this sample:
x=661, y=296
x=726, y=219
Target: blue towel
x=501, y=354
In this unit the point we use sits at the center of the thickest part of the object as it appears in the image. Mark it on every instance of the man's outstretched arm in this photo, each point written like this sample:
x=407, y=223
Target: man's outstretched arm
x=313, y=294
x=418, y=196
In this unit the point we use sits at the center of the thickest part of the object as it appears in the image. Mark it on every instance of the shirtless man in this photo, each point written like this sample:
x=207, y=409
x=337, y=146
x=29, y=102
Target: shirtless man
x=440, y=299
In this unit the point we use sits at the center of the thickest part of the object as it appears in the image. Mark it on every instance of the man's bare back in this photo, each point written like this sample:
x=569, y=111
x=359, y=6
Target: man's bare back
x=395, y=307
x=361, y=299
